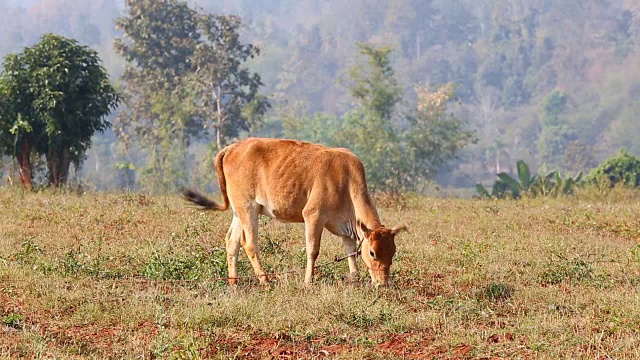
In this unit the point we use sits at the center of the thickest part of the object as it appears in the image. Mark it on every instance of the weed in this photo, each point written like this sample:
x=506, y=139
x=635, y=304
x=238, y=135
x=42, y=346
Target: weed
x=160, y=347
x=334, y=340
x=573, y=270
x=365, y=341
x=563, y=310
x=171, y=268
x=364, y=318
x=29, y=251
x=183, y=267
x=496, y=292
x=270, y=246
x=391, y=200
x=180, y=347
x=31, y=255
x=198, y=228
x=471, y=252
x=12, y=320
x=132, y=199
x=70, y=265
x=331, y=273
x=601, y=190
x=635, y=253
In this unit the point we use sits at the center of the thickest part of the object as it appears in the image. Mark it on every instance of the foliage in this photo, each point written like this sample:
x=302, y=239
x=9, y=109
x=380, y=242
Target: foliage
x=20, y=127
x=220, y=84
x=620, y=168
x=565, y=186
x=395, y=157
x=184, y=76
x=504, y=58
x=551, y=184
x=434, y=137
x=319, y=128
x=159, y=38
x=56, y=95
x=369, y=130
x=556, y=134
x=579, y=156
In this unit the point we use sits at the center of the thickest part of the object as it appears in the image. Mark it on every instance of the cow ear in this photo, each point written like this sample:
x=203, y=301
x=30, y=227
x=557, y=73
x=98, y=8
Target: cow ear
x=399, y=228
x=364, y=229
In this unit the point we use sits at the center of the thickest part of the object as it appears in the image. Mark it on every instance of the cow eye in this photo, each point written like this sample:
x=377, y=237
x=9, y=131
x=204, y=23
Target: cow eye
x=373, y=255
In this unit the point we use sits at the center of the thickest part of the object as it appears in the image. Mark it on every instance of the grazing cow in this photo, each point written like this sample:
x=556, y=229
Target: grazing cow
x=295, y=181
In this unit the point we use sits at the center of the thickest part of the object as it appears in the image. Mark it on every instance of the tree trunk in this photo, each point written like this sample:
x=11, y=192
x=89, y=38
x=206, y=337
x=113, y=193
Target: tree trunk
x=219, y=137
x=58, y=162
x=24, y=165
x=218, y=97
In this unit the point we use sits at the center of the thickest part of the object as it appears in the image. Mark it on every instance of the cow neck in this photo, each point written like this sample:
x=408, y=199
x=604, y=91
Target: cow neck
x=369, y=219
x=365, y=211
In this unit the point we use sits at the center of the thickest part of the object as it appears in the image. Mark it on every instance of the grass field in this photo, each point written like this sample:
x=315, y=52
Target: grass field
x=133, y=276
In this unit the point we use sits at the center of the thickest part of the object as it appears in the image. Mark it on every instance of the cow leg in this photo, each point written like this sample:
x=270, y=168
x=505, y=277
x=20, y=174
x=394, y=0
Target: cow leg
x=313, y=234
x=232, y=240
x=250, y=228
x=350, y=246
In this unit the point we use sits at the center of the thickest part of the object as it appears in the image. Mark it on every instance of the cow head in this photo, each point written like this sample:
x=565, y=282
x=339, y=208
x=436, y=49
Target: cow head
x=378, y=249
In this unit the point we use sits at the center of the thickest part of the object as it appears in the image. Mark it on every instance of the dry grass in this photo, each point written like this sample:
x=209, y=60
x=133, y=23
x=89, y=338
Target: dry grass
x=542, y=279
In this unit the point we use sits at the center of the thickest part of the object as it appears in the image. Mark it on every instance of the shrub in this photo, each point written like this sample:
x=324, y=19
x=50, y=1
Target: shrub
x=621, y=168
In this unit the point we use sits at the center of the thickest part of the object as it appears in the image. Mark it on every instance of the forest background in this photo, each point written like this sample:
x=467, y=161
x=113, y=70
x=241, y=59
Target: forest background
x=549, y=82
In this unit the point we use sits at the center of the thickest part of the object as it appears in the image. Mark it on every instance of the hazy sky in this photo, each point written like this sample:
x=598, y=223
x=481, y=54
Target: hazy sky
x=23, y=3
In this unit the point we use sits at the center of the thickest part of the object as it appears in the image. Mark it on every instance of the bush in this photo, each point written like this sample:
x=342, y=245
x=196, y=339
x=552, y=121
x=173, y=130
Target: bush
x=621, y=168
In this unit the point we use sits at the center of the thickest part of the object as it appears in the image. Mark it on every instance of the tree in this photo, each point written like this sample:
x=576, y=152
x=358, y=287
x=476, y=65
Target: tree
x=369, y=129
x=396, y=157
x=220, y=84
x=184, y=76
x=578, y=157
x=556, y=133
x=399, y=148
x=434, y=137
x=159, y=39
x=20, y=129
x=57, y=95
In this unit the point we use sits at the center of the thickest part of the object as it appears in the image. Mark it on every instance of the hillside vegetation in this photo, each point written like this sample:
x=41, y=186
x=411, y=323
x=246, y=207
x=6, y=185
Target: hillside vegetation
x=132, y=276
x=553, y=83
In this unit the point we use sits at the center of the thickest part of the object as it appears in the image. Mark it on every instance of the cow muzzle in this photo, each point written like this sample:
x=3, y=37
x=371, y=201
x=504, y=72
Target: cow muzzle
x=380, y=276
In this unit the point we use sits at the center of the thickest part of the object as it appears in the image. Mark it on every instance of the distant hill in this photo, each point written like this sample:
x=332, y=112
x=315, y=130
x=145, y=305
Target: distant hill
x=509, y=61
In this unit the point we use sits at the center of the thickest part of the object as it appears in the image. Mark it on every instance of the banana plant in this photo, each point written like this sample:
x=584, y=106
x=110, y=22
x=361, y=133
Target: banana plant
x=563, y=187
x=524, y=174
x=523, y=184
x=544, y=184
x=499, y=190
x=551, y=184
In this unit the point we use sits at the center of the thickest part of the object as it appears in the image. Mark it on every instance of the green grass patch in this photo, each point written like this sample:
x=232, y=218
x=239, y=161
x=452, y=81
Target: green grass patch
x=135, y=276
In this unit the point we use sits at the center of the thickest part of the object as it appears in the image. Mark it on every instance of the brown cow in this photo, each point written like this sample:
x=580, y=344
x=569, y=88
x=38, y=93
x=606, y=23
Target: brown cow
x=294, y=181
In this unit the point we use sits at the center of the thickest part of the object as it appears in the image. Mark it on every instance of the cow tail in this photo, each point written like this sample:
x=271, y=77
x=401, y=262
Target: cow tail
x=222, y=180
x=204, y=202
